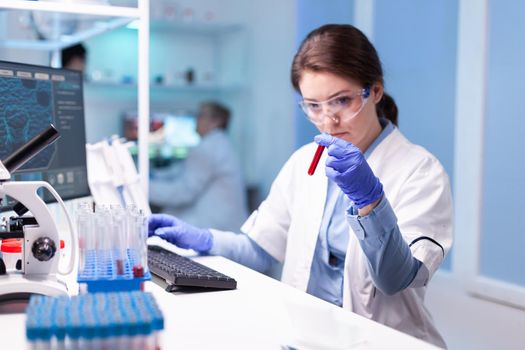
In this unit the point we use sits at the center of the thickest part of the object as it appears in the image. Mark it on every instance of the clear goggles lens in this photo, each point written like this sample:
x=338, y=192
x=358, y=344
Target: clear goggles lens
x=345, y=106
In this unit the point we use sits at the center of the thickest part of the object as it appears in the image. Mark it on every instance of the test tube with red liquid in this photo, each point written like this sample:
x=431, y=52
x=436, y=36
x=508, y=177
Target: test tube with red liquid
x=315, y=160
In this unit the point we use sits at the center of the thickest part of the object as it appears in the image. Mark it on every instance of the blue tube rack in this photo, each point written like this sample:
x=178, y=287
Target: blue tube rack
x=93, y=321
x=100, y=272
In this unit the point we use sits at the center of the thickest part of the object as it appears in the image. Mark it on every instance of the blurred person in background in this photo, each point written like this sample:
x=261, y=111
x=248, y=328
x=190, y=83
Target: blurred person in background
x=207, y=188
x=74, y=57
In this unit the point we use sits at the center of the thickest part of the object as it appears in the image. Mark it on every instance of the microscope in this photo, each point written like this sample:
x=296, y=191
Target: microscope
x=37, y=271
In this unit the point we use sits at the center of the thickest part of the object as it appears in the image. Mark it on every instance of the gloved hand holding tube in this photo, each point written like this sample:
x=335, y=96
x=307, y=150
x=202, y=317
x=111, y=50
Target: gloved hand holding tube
x=180, y=233
x=348, y=168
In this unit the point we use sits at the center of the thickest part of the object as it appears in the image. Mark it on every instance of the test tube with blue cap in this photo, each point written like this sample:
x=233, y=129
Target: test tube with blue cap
x=60, y=331
x=123, y=320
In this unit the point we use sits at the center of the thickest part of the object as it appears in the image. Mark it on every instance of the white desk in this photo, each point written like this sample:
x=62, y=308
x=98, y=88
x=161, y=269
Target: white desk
x=261, y=313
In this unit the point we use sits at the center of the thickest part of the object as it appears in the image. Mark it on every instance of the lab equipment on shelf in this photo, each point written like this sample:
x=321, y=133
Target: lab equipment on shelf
x=119, y=320
x=113, y=250
x=180, y=272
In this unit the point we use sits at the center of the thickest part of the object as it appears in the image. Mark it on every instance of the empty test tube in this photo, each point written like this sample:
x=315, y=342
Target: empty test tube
x=101, y=226
x=85, y=236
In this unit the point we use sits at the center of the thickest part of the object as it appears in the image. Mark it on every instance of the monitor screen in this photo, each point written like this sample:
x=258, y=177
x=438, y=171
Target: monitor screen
x=31, y=98
x=172, y=135
x=180, y=130
x=180, y=135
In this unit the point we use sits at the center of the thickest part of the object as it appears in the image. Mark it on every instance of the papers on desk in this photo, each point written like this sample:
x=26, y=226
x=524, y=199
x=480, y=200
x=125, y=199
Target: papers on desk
x=155, y=240
x=319, y=326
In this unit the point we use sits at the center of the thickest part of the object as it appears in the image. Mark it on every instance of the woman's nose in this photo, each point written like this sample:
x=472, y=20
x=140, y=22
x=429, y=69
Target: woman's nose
x=330, y=116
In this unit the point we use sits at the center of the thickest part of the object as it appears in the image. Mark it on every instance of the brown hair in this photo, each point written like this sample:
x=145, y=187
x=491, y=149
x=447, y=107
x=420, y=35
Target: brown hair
x=344, y=50
x=219, y=112
x=69, y=53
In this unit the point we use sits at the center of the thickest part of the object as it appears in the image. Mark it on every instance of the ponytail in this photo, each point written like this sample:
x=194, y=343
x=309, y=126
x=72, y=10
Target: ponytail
x=387, y=108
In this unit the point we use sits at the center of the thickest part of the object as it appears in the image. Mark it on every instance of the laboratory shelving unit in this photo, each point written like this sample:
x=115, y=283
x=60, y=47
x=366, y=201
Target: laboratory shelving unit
x=108, y=17
x=216, y=51
x=214, y=34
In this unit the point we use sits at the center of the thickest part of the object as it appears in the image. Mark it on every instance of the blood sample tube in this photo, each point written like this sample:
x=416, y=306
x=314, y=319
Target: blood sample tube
x=315, y=160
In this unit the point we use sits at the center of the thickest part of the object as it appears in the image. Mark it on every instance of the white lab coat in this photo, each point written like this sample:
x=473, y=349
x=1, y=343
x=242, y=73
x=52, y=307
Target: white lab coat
x=208, y=189
x=287, y=224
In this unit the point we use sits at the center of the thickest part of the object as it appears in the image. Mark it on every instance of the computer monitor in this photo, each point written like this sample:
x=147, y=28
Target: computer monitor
x=180, y=130
x=178, y=134
x=31, y=98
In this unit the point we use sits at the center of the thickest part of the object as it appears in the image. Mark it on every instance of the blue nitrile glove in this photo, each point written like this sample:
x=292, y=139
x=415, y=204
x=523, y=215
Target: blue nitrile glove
x=347, y=167
x=178, y=232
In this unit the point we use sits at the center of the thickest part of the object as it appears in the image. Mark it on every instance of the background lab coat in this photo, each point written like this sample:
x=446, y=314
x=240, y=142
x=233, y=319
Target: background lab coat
x=287, y=224
x=207, y=191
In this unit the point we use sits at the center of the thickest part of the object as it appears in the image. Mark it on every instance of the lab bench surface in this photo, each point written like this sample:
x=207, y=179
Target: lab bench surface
x=261, y=313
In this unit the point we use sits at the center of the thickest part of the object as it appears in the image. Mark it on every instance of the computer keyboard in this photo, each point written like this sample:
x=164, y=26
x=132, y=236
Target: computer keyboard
x=181, y=272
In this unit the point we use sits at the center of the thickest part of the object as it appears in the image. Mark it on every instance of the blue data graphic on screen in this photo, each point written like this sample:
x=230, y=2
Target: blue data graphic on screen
x=25, y=110
x=31, y=98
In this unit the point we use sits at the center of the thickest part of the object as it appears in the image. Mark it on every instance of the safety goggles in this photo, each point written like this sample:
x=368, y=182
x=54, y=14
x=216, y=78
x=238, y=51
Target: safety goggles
x=345, y=106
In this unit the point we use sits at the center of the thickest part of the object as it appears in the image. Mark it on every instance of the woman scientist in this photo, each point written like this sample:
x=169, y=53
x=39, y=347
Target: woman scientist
x=368, y=232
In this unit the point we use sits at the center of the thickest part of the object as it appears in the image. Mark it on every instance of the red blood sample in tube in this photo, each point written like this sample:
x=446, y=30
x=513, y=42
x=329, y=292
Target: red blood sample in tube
x=138, y=271
x=315, y=160
x=120, y=267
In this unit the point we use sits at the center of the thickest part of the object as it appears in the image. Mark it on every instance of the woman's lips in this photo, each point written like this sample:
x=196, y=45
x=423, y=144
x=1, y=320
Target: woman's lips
x=339, y=134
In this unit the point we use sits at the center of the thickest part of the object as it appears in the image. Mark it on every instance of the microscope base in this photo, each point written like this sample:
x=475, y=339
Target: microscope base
x=16, y=284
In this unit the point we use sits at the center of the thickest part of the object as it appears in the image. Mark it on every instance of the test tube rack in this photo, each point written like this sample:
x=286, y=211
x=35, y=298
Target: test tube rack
x=102, y=274
x=125, y=320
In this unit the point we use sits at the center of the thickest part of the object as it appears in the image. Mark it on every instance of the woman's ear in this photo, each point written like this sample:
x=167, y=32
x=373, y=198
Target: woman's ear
x=377, y=92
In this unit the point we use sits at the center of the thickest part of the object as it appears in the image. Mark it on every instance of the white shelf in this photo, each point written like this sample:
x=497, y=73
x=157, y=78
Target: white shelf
x=81, y=9
x=91, y=20
x=194, y=27
x=94, y=28
x=104, y=86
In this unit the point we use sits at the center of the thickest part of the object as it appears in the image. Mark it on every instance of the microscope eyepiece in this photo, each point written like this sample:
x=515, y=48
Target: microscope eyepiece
x=31, y=148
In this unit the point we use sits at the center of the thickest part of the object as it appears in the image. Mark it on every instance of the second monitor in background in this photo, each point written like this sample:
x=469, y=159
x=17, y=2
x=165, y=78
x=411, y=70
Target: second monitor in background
x=179, y=135
x=172, y=135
